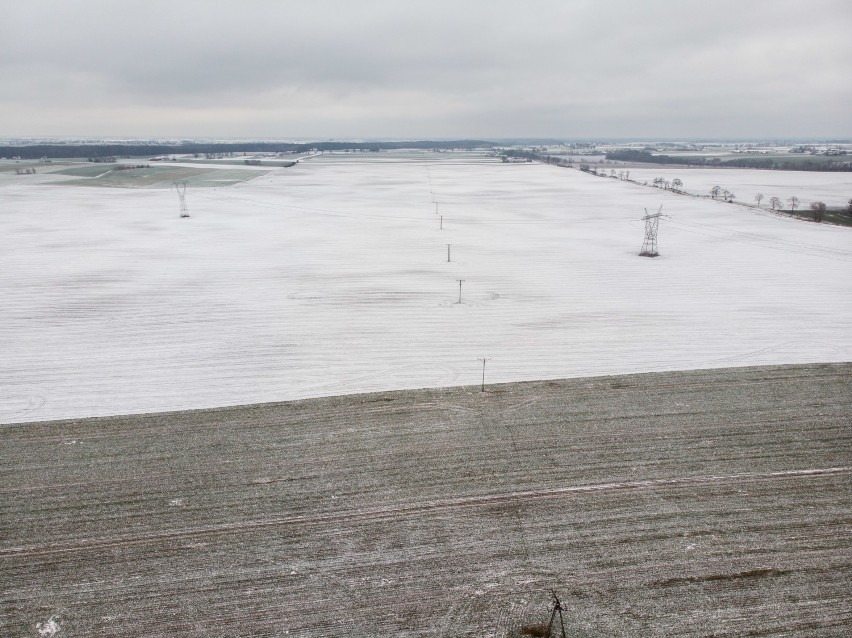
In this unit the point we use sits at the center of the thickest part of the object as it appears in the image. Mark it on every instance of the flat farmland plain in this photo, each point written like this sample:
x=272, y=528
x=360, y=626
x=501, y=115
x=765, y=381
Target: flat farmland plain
x=331, y=277
x=703, y=503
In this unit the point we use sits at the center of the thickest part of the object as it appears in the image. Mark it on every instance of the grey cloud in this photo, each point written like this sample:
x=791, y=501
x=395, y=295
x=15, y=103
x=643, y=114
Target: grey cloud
x=546, y=67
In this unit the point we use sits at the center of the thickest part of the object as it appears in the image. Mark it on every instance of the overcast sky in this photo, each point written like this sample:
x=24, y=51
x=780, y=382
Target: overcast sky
x=323, y=69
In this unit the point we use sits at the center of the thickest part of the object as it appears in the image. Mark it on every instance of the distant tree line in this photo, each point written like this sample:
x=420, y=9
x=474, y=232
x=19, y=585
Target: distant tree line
x=535, y=156
x=634, y=155
x=128, y=167
x=94, y=151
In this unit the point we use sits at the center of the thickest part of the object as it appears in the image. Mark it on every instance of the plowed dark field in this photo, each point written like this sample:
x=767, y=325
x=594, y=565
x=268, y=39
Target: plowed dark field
x=705, y=503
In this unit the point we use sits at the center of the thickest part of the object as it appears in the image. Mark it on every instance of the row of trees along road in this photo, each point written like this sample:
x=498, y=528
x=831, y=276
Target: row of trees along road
x=818, y=208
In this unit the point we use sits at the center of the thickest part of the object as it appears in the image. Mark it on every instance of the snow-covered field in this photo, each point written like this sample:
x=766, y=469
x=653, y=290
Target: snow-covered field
x=331, y=277
x=833, y=189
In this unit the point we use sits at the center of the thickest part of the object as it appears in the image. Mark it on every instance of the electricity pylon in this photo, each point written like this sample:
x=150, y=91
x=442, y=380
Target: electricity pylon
x=180, y=187
x=652, y=223
x=557, y=608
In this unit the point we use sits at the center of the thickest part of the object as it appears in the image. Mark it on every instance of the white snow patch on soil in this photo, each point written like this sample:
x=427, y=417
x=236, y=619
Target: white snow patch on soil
x=47, y=628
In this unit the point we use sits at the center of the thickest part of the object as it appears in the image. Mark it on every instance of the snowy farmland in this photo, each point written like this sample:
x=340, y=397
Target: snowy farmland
x=331, y=277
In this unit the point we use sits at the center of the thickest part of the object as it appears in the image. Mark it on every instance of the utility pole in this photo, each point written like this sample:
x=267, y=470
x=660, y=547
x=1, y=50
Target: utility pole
x=442, y=222
x=483, y=359
x=460, y=283
x=448, y=252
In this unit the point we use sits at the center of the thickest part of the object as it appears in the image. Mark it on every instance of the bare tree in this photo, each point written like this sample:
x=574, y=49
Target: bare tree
x=715, y=191
x=757, y=198
x=794, y=202
x=819, y=210
x=775, y=203
x=677, y=184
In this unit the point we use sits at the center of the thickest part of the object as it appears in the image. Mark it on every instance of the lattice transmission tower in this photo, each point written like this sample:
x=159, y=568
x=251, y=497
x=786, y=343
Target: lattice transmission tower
x=557, y=609
x=180, y=187
x=652, y=223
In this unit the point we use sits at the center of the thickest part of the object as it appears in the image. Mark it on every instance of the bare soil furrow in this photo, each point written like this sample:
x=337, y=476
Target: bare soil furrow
x=674, y=504
x=413, y=509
